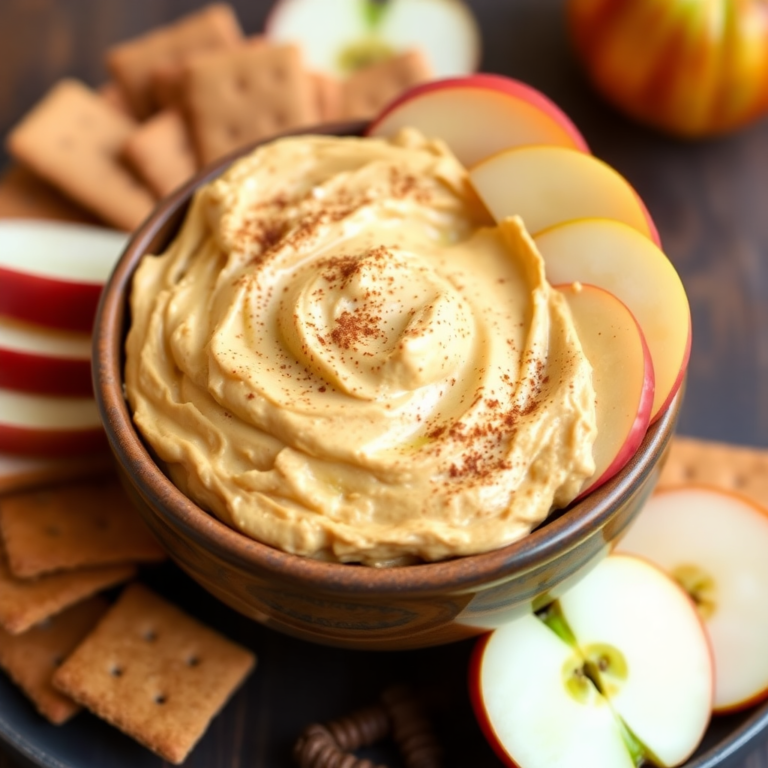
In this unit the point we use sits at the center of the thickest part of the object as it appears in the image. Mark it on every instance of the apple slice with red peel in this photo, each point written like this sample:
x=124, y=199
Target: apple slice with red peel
x=549, y=185
x=496, y=113
x=40, y=360
x=341, y=36
x=714, y=543
x=52, y=273
x=615, y=257
x=38, y=425
x=622, y=375
x=620, y=670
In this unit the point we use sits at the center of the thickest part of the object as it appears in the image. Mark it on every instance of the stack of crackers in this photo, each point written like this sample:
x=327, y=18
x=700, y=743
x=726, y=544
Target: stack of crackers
x=138, y=662
x=182, y=96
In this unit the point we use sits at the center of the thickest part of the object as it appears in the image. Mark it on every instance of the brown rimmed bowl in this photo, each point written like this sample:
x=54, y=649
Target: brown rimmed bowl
x=347, y=605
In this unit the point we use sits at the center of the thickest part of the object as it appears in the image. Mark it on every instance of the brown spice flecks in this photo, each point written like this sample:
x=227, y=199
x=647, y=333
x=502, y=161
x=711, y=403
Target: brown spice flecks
x=353, y=327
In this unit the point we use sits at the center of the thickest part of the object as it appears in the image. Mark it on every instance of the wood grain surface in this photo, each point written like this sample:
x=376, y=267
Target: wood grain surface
x=709, y=200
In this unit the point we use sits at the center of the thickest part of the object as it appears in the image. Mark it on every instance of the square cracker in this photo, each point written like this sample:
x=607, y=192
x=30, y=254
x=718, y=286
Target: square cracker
x=72, y=139
x=24, y=603
x=327, y=96
x=369, y=90
x=160, y=150
x=730, y=467
x=73, y=526
x=154, y=672
x=132, y=62
x=18, y=473
x=31, y=659
x=236, y=97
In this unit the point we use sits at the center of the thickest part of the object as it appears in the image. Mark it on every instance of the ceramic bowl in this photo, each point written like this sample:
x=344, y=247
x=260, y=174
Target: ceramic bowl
x=348, y=605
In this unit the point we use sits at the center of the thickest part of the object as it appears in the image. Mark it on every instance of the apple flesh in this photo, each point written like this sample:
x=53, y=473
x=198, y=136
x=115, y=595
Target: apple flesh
x=630, y=678
x=52, y=273
x=38, y=425
x=615, y=257
x=496, y=113
x=622, y=375
x=714, y=544
x=549, y=185
x=35, y=359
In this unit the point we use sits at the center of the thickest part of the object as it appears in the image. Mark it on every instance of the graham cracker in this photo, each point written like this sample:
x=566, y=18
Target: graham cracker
x=233, y=98
x=73, y=526
x=327, y=97
x=18, y=473
x=24, y=195
x=72, y=138
x=154, y=672
x=730, y=467
x=132, y=62
x=160, y=151
x=367, y=91
x=24, y=603
x=114, y=95
x=31, y=659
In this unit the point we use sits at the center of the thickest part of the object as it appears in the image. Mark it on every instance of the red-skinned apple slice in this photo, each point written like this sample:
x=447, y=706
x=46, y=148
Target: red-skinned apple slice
x=549, y=185
x=38, y=425
x=51, y=273
x=714, y=544
x=615, y=257
x=625, y=672
x=622, y=375
x=41, y=360
x=496, y=113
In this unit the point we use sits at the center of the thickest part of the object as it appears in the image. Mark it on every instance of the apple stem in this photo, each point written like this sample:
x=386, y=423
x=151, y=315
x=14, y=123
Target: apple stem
x=374, y=11
x=552, y=616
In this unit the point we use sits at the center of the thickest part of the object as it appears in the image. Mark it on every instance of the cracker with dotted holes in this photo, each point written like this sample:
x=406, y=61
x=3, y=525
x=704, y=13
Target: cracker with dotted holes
x=18, y=473
x=72, y=139
x=160, y=150
x=730, y=467
x=31, y=659
x=365, y=92
x=328, y=97
x=132, y=62
x=114, y=95
x=236, y=97
x=73, y=526
x=26, y=602
x=154, y=672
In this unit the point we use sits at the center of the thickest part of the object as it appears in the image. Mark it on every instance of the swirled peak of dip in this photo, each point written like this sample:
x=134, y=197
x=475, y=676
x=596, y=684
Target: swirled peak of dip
x=341, y=356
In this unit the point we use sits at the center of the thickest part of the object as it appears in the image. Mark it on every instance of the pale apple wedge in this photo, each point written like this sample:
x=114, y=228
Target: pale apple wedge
x=715, y=543
x=38, y=425
x=649, y=651
x=496, y=113
x=622, y=375
x=52, y=273
x=549, y=185
x=41, y=360
x=615, y=257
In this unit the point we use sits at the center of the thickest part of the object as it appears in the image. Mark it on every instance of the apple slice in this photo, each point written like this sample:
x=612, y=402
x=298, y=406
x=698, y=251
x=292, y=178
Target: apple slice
x=622, y=375
x=714, y=543
x=51, y=273
x=340, y=36
x=37, y=425
x=44, y=361
x=18, y=473
x=548, y=185
x=496, y=113
x=618, y=671
x=615, y=257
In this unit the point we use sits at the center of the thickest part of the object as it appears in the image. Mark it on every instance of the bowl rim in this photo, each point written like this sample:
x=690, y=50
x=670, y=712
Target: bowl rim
x=544, y=544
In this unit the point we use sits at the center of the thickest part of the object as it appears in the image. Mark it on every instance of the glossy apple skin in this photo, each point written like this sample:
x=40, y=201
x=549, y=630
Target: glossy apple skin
x=691, y=69
x=43, y=375
x=497, y=83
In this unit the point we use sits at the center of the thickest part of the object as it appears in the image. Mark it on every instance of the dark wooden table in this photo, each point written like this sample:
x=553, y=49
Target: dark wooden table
x=709, y=200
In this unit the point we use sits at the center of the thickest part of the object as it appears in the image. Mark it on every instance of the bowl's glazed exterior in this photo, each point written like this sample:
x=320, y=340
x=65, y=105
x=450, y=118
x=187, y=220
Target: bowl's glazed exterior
x=347, y=605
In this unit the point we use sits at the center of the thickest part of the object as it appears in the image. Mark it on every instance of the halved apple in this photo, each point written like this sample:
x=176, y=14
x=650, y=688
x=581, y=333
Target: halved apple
x=549, y=185
x=41, y=360
x=37, y=425
x=623, y=674
x=52, y=273
x=341, y=36
x=496, y=113
x=615, y=257
x=714, y=543
x=622, y=375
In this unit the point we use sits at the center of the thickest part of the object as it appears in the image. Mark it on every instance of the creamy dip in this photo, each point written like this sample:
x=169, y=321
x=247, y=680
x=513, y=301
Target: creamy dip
x=341, y=356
